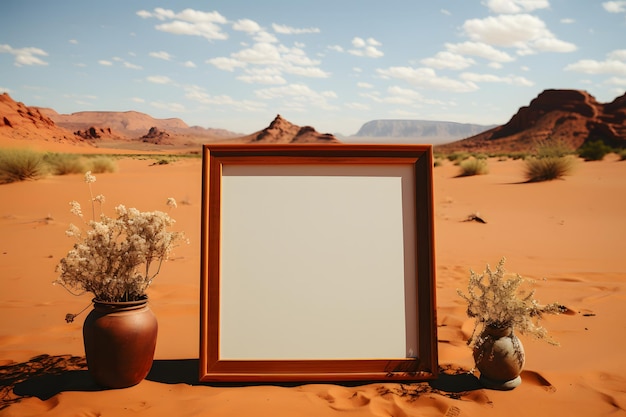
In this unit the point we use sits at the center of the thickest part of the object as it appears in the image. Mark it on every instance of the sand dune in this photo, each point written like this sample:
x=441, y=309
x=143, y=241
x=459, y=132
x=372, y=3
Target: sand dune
x=569, y=232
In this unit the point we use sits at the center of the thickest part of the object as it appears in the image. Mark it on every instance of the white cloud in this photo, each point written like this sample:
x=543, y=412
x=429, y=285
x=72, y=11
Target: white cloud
x=618, y=54
x=479, y=49
x=427, y=78
x=335, y=48
x=490, y=78
x=138, y=100
x=265, y=37
x=278, y=59
x=197, y=93
x=73, y=41
x=288, y=30
x=614, y=6
x=616, y=81
x=590, y=66
x=189, y=22
x=366, y=48
x=105, y=63
x=615, y=63
x=298, y=93
x=132, y=66
x=246, y=25
x=516, y=6
x=169, y=106
x=161, y=55
x=527, y=33
x=567, y=21
x=356, y=106
x=448, y=60
x=364, y=85
x=262, y=76
x=189, y=64
x=5, y=90
x=446, y=12
x=226, y=64
x=25, y=56
x=159, y=79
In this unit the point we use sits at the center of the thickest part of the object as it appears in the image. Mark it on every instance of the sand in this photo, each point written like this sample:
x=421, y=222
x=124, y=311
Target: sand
x=566, y=234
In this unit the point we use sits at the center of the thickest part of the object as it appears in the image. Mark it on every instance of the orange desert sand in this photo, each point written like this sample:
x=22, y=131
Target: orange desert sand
x=568, y=235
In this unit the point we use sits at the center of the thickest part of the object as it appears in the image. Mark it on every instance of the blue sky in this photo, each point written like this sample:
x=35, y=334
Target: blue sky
x=331, y=64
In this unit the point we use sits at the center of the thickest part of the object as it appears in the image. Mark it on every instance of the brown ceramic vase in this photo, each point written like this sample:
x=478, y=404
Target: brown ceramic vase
x=120, y=338
x=499, y=356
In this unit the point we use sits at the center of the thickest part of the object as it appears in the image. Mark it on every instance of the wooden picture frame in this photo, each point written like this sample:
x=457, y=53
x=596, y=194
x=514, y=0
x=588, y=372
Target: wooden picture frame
x=317, y=263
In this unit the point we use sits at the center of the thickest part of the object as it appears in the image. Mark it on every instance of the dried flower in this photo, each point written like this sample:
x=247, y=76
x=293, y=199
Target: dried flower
x=493, y=300
x=116, y=258
x=89, y=178
x=171, y=202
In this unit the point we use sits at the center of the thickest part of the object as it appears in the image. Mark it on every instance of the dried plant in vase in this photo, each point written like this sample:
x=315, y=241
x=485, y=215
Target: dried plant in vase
x=116, y=258
x=500, y=307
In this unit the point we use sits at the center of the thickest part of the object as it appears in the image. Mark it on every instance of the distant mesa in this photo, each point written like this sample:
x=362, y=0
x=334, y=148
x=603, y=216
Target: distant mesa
x=571, y=116
x=429, y=131
x=283, y=131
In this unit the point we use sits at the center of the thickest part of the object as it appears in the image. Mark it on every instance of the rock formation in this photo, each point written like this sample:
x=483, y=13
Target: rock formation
x=18, y=121
x=282, y=131
x=571, y=116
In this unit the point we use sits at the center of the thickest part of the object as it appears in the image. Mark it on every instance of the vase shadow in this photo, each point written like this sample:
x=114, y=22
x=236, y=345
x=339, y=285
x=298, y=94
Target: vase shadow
x=45, y=376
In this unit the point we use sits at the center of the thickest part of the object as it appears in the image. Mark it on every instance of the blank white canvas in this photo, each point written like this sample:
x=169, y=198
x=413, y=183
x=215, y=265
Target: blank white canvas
x=316, y=262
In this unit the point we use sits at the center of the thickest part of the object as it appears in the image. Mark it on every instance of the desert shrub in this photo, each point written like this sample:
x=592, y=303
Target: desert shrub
x=551, y=148
x=457, y=157
x=548, y=168
x=622, y=154
x=100, y=164
x=551, y=161
x=20, y=165
x=593, y=150
x=64, y=163
x=437, y=163
x=473, y=166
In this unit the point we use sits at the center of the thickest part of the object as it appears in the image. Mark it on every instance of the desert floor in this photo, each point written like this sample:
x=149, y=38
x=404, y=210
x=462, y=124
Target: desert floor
x=568, y=235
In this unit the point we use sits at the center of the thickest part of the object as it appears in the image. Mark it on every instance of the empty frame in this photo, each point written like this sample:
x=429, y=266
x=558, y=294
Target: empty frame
x=317, y=263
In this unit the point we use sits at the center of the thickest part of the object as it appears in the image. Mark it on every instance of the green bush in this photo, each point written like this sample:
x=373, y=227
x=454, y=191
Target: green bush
x=548, y=168
x=622, y=154
x=473, y=166
x=594, y=150
x=64, y=163
x=20, y=165
x=552, y=148
x=457, y=157
x=100, y=164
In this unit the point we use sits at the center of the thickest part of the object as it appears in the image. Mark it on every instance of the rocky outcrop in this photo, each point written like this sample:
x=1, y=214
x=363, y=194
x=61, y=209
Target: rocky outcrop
x=93, y=133
x=18, y=121
x=283, y=131
x=570, y=116
x=156, y=136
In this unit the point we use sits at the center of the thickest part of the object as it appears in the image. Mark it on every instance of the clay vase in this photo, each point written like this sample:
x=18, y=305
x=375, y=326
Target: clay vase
x=499, y=356
x=120, y=338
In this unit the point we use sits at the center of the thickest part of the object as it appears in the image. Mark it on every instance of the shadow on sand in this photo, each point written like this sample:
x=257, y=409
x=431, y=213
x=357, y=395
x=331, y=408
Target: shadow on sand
x=45, y=376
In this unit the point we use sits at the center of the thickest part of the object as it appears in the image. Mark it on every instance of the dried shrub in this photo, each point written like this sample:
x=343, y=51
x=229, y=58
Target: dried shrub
x=116, y=258
x=473, y=166
x=20, y=165
x=64, y=163
x=494, y=300
x=101, y=164
x=548, y=168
